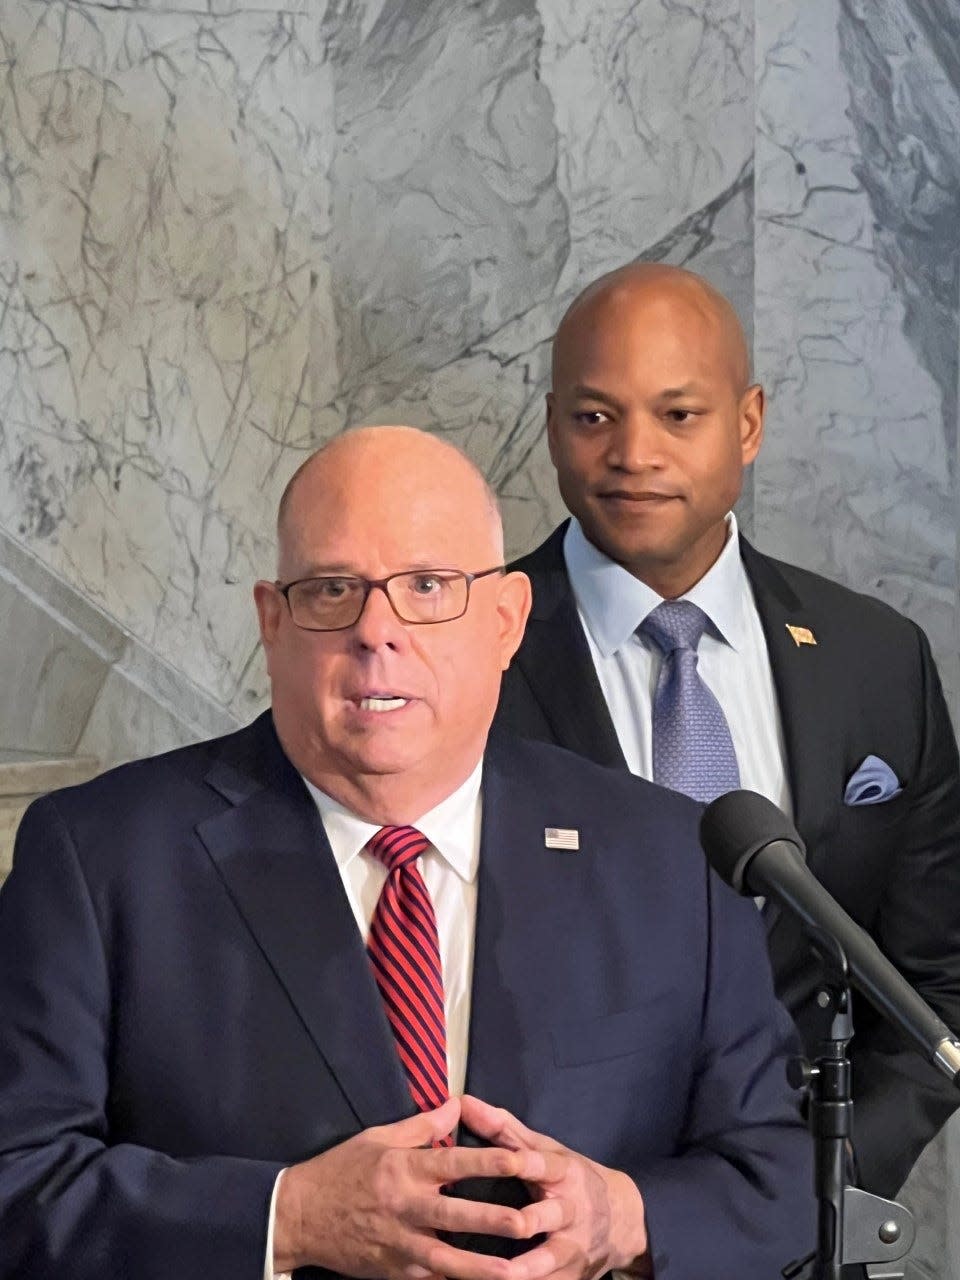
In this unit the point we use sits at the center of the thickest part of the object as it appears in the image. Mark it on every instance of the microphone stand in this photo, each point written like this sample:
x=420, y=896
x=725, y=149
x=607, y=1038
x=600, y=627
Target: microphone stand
x=854, y=1227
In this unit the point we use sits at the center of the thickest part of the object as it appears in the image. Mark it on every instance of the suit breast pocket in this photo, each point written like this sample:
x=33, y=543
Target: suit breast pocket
x=620, y=1081
x=612, y=1035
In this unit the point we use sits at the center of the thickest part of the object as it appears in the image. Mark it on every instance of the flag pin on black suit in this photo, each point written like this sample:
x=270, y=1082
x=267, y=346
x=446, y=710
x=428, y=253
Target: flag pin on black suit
x=561, y=837
x=801, y=635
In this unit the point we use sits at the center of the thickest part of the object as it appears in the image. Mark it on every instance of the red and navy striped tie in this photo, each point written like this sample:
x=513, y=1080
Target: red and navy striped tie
x=405, y=953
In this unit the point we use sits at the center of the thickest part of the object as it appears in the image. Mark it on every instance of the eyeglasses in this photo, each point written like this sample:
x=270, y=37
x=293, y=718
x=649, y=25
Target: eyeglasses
x=421, y=596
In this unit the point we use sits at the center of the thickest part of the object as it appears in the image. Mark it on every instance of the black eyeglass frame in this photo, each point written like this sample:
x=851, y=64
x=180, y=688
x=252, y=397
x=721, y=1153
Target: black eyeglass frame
x=370, y=583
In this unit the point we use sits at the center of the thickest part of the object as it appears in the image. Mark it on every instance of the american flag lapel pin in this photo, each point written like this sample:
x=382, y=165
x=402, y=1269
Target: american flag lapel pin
x=561, y=837
x=801, y=635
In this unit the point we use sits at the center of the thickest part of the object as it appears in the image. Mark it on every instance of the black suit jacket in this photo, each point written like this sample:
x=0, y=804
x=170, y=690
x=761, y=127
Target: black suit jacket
x=867, y=687
x=186, y=1006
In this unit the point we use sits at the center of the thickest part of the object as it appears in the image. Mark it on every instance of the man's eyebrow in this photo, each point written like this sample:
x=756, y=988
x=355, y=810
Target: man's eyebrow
x=341, y=569
x=677, y=393
x=583, y=392
x=336, y=570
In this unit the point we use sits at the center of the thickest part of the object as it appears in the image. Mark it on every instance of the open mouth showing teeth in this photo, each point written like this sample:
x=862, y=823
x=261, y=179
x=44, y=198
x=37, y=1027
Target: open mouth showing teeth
x=382, y=704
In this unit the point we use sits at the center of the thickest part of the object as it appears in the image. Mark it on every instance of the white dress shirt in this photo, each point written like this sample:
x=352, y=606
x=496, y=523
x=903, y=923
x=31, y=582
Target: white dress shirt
x=733, y=658
x=449, y=869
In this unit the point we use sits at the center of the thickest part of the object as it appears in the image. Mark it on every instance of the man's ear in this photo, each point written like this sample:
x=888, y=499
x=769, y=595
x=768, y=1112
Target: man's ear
x=515, y=596
x=269, y=605
x=752, y=406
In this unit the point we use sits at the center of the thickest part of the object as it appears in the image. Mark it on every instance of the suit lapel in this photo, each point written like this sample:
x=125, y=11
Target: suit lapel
x=803, y=692
x=805, y=698
x=555, y=659
x=275, y=861
x=504, y=1060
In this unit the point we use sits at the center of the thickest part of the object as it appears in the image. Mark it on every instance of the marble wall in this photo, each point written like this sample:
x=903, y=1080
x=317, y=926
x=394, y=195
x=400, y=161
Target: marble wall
x=229, y=228
x=857, y=244
x=228, y=232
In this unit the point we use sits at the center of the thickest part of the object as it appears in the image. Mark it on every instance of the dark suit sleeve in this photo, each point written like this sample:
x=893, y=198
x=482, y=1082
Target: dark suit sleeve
x=74, y=1201
x=900, y=1101
x=740, y=1187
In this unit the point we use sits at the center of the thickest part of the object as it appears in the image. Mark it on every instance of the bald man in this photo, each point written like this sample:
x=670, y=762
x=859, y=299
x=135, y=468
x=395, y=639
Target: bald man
x=825, y=701
x=356, y=991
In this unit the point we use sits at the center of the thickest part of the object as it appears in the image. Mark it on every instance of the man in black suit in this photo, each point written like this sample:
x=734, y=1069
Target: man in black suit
x=832, y=699
x=244, y=1004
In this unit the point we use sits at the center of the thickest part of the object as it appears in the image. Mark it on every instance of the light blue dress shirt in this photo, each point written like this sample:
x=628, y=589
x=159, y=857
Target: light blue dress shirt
x=733, y=658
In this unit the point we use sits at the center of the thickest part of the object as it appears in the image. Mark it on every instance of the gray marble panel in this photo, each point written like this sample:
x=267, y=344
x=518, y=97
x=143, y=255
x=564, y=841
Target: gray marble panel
x=51, y=678
x=654, y=103
x=75, y=683
x=925, y=1194
x=145, y=707
x=856, y=478
x=163, y=189
x=950, y=1191
x=56, y=651
x=450, y=232
x=447, y=222
x=461, y=234
x=227, y=231
x=902, y=62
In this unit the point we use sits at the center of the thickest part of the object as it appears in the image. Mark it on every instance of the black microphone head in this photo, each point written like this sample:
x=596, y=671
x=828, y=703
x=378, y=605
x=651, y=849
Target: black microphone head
x=735, y=827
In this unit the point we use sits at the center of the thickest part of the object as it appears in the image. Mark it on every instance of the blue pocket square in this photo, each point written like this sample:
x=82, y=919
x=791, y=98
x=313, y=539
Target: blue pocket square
x=872, y=783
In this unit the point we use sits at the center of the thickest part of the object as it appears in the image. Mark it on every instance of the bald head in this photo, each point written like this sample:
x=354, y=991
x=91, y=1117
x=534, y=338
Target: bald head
x=649, y=288
x=651, y=420
x=367, y=458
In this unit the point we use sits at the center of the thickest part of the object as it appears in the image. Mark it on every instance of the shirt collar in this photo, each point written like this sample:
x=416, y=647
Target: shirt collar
x=452, y=827
x=613, y=602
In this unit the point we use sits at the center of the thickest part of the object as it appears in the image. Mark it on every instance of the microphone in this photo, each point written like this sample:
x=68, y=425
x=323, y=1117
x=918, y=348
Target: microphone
x=754, y=848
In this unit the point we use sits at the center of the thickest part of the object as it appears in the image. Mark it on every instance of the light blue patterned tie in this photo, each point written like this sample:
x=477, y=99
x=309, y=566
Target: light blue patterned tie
x=692, y=748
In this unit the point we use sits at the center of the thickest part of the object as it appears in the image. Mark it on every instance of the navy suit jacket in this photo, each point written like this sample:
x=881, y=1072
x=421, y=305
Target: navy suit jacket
x=187, y=1007
x=867, y=687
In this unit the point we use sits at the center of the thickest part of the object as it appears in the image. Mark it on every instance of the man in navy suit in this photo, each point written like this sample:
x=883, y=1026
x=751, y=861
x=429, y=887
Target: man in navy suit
x=205, y=1073
x=832, y=699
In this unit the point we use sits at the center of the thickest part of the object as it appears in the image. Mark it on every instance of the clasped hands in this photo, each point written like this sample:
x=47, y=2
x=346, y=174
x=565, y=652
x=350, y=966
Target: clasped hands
x=372, y=1206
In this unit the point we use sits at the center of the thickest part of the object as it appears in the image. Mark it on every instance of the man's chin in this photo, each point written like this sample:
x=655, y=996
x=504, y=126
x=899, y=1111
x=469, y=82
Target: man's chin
x=634, y=554
x=383, y=764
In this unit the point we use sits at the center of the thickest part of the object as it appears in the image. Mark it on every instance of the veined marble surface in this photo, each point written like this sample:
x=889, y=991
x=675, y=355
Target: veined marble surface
x=857, y=298
x=229, y=231
x=540, y=174
x=164, y=189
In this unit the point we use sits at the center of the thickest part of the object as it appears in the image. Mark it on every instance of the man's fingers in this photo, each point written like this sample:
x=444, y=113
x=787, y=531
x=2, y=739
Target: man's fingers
x=449, y=1164
x=552, y=1256
x=450, y=1213
x=553, y=1213
x=461, y=1264
x=422, y=1129
x=496, y=1124
x=556, y=1166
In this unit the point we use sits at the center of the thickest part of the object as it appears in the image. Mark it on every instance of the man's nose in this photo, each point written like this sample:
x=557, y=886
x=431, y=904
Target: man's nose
x=637, y=443
x=378, y=624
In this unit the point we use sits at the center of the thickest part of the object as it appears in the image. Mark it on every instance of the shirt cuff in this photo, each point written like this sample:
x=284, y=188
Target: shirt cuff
x=268, y=1271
